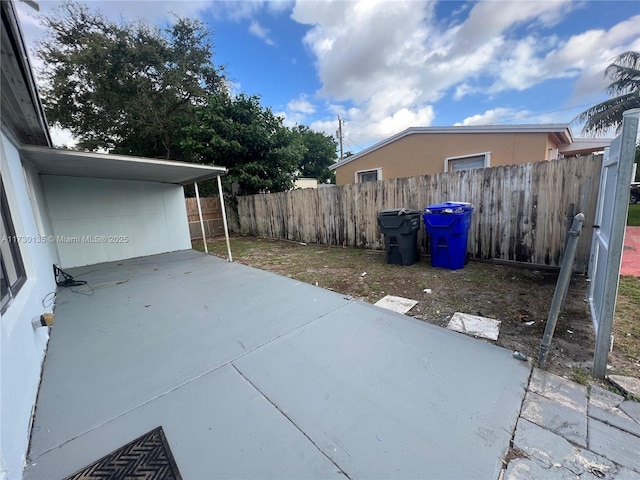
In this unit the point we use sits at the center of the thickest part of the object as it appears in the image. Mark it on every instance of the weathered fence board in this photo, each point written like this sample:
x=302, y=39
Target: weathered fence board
x=520, y=211
x=211, y=216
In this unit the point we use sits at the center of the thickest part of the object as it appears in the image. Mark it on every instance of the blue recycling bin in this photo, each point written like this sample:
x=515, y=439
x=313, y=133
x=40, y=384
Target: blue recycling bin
x=448, y=227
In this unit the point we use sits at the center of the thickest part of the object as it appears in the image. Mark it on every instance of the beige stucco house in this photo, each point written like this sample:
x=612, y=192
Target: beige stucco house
x=428, y=150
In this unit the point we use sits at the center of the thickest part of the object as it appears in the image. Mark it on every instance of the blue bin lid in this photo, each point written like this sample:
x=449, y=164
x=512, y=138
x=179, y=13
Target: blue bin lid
x=457, y=207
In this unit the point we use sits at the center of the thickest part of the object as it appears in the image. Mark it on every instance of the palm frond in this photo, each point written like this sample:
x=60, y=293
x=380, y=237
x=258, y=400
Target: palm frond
x=602, y=117
x=625, y=89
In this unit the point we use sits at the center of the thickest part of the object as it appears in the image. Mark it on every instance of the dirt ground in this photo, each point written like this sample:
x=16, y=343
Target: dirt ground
x=519, y=297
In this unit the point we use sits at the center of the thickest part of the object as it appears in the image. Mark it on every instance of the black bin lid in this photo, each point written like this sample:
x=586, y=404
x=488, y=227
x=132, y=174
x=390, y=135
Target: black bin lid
x=398, y=211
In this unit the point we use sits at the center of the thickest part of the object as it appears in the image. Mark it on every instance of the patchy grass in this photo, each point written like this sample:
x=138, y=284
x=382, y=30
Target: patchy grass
x=581, y=376
x=633, y=219
x=626, y=327
x=517, y=296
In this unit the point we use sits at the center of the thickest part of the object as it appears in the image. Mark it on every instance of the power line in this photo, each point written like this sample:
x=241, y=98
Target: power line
x=545, y=113
x=352, y=142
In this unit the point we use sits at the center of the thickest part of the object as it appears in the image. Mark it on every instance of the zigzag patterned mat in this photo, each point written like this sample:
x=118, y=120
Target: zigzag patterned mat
x=148, y=457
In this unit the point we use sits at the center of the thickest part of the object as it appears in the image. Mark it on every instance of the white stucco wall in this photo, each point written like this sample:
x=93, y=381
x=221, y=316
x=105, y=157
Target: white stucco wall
x=96, y=220
x=21, y=348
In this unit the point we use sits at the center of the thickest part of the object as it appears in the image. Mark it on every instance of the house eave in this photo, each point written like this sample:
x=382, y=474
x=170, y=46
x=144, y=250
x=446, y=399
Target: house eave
x=585, y=146
x=22, y=111
x=50, y=161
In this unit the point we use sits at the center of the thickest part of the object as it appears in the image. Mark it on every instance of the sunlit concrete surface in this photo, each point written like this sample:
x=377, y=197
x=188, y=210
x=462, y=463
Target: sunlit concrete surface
x=252, y=374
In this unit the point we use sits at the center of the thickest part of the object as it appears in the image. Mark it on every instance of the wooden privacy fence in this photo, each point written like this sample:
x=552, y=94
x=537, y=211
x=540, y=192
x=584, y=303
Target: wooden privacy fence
x=521, y=212
x=211, y=215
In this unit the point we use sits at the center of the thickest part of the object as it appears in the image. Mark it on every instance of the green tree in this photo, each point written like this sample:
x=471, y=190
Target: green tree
x=129, y=87
x=319, y=155
x=261, y=154
x=625, y=89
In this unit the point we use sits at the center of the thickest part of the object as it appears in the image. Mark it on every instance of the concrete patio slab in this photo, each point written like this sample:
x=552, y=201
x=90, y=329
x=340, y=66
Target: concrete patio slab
x=630, y=385
x=217, y=426
x=255, y=375
x=154, y=324
x=553, y=452
x=527, y=469
x=558, y=405
x=616, y=445
x=559, y=389
x=385, y=396
x=556, y=417
x=604, y=406
x=632, y=409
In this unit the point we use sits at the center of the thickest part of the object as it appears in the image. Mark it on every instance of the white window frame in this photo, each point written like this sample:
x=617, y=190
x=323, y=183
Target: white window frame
x=487, y=159
x=368, y=170
x=11, y=263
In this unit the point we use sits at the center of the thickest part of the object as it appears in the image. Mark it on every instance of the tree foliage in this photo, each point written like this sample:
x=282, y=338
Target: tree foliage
x=624, y=73
x=134, y=89
x=128, y=87
x=319, y=155
x=261, y=154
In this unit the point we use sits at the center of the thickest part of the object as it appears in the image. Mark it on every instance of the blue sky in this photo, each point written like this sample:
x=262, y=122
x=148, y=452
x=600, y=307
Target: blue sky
x=384, y=66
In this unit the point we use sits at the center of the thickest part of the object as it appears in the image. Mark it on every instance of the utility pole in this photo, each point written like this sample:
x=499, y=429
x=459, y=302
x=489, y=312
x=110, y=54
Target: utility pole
x=339, y=133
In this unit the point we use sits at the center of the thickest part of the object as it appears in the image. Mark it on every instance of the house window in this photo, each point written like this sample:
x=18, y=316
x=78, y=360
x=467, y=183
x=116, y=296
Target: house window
x=11, y=266
x=372, y=175
x=467, y=162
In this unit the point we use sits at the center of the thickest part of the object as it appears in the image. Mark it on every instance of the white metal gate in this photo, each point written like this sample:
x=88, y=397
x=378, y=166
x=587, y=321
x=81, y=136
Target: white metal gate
x=608, y=236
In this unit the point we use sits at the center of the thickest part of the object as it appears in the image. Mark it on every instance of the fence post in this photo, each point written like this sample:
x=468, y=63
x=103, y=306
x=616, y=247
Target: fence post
x=204, y=237
x=563, y=282
x=224, y=218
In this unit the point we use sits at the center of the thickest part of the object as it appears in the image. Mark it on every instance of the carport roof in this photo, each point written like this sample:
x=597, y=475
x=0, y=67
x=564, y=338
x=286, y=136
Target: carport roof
x=50, y=161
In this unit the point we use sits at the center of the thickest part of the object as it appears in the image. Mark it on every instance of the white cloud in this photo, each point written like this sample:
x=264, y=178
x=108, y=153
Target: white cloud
x=364, y=130
x=302, y=105
x=246, y=9
x=493, y=116
x=261, y=32
x=297, y=111
x=394, y=59
x=583, y=56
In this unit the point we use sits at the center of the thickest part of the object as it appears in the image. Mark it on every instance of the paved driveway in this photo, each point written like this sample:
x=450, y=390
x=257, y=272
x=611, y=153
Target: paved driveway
x=251, y=374
x=631, y=253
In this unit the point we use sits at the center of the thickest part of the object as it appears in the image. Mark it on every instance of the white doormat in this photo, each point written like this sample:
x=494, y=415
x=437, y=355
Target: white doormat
x=397, y=304
x=473, y=325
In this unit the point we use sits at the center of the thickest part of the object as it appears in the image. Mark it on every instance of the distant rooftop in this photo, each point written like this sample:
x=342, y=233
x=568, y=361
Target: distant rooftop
x=561, y=130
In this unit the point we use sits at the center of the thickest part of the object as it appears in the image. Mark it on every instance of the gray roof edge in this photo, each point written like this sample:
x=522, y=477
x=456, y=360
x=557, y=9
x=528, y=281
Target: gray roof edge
x=524, y=128
x=30, y=149
x=22, y=57
x=45, y=154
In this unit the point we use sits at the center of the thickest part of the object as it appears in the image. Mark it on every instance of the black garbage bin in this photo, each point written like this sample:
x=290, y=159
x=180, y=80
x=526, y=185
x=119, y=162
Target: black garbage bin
x=400, y=228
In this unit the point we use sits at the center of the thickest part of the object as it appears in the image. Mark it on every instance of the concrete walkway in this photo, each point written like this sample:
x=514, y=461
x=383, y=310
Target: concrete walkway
x=631, y=253
x=567, y=430
x=253, y=375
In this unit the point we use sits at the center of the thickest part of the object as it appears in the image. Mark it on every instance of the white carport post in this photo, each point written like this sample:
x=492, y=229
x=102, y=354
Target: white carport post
x=204, y=237
x=224, y=218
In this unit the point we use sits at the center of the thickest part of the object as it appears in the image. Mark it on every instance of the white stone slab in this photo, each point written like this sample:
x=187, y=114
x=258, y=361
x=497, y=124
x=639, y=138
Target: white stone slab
x=630, y=385
x=396, y=304
x=473, y=325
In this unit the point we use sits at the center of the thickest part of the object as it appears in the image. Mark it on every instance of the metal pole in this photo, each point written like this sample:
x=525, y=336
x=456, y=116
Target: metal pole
x=204, y=237
x=224, y=218
x=563, y=282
